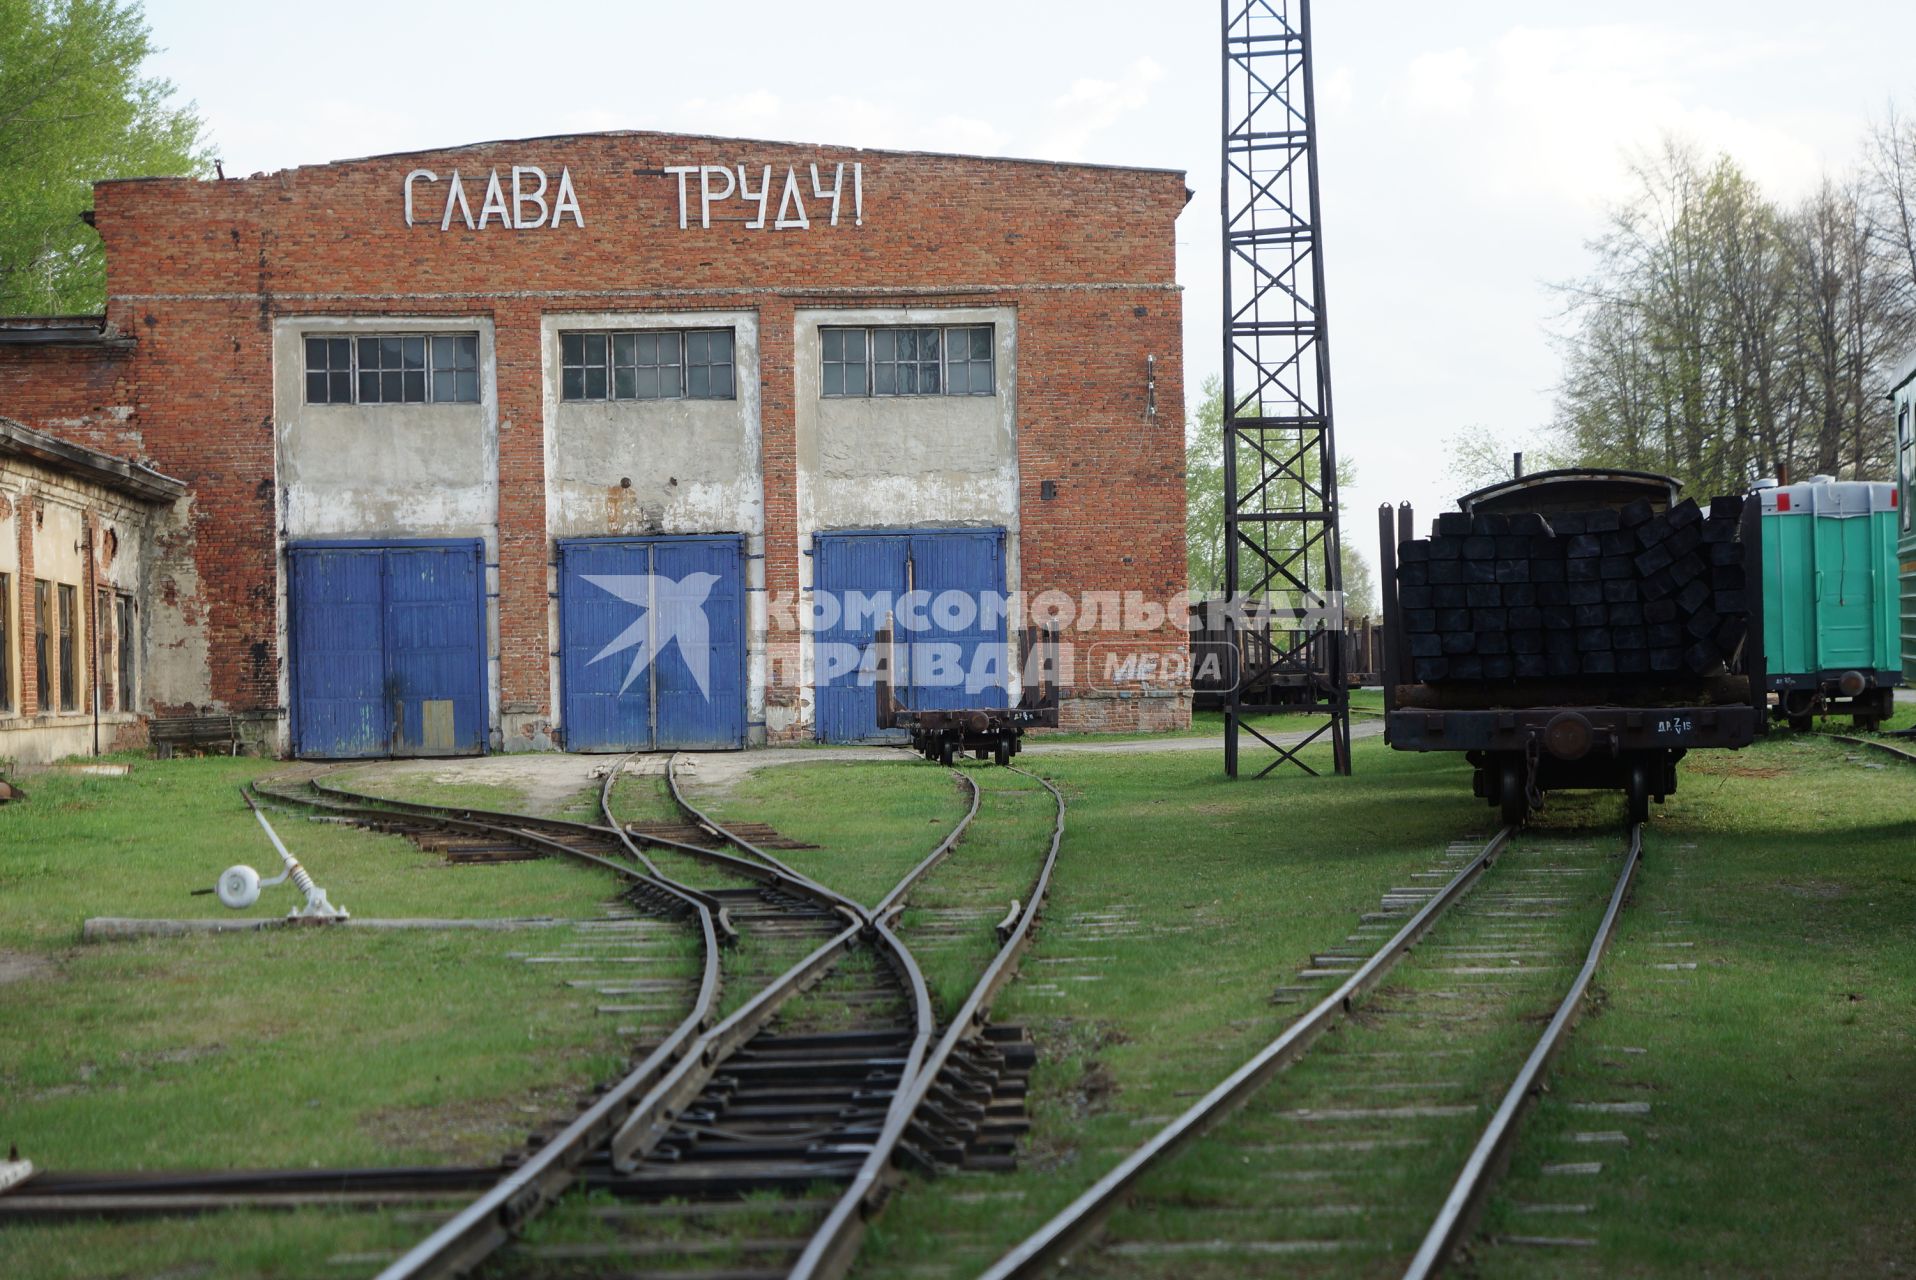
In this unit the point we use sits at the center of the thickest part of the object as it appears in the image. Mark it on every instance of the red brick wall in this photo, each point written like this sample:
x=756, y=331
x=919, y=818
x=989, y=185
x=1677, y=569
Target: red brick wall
x=198, y=271
x=83, y=394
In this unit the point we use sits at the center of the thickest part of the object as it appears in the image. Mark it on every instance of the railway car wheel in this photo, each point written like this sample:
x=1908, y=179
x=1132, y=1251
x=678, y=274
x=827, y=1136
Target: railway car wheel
x=946, y=753
x=1637, y=793
x=1513, y=798
x=1003, y=754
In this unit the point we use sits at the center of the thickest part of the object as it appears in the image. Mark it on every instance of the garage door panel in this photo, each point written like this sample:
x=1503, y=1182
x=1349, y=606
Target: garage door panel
x=966, y=570
x=388, y=653
x=869, y=566
x=433, y=634
x=339, y=657
x=656, y=602
x=601, y=712
x=700, y=600
x=938, y=657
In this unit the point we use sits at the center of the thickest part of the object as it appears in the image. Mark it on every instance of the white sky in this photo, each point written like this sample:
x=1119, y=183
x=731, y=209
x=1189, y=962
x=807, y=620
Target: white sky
x=1469, y=150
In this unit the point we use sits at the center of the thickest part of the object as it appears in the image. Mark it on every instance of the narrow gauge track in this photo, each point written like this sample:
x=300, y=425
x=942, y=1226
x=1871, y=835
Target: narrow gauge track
x=658, y=1134
x=1071, y=1234
x=1887, y=748
x=641, y=1137
x=788, y=1143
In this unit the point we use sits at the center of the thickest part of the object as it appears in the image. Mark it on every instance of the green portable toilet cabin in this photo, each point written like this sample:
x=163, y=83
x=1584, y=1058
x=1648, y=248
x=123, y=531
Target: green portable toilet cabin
x=1830, y=598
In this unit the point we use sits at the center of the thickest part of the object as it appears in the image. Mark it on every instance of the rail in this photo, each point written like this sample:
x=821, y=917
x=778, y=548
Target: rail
x=629, y=1120
x=832, y=1248
x=475, y=1232
x=1460, y=1208
x=1051, y=1242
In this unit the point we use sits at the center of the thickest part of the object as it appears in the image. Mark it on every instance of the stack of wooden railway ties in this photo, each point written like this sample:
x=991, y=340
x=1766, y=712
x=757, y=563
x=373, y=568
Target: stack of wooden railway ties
x=1624, y=592
x=1574, y=629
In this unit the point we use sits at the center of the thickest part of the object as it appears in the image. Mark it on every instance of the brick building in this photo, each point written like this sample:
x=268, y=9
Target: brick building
x=482, y=447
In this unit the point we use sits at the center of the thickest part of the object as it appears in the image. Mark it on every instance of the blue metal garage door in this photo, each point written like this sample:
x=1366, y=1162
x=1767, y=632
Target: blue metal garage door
x=388, y=649
x=652, y=643
x=954, y=659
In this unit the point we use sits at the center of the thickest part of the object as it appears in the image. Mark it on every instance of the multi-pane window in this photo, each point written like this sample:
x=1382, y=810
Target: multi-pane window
x=708, y=364
x=846, y=369
x=905, y=362
x=647, y=364
x=393, y=368
x=103, y=649
x=968, y=370
x=43, y=644
x=123, y=648
x=69, y=668
x=908, y=360
x=6, y=642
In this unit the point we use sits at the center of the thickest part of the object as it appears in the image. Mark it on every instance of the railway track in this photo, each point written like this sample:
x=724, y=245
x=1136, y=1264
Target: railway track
x=1337, y=1166
x=789, y=1142
x=1886, y=748
x=758, y=1104
x=751, y=1143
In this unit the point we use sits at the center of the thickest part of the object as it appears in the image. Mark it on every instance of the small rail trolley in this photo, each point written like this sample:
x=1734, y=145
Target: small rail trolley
x=995, y=733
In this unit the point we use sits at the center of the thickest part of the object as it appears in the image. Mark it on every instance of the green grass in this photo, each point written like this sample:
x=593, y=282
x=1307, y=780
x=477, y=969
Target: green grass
x=873, y=821
x=297, y=1243
x=644, y=797
x=1190, y=898
x=1779, y=1069
x=289, y=1048
x=1778, y=1144
x=950, y=925
x=1462, y=1035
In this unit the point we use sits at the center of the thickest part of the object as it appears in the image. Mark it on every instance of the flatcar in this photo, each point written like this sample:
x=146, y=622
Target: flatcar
x=944, y=733
x=1830, y=599
x=1574, y=629
x=1904, y=397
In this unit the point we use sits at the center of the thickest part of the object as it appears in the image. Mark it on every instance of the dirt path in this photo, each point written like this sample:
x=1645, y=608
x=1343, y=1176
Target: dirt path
x=550, y=780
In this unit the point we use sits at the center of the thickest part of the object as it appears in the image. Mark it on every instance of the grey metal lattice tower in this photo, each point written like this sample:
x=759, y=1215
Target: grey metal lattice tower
x=1280, y=460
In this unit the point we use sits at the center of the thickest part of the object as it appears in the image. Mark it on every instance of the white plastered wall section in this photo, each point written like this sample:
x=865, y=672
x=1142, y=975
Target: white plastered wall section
x=897, y=462
x=61, y=555
x=644, y=468
x=384, y=472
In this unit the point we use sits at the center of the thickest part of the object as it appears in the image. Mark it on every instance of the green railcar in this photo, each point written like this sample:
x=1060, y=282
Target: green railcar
x=1905, y=409
x=1833, y=623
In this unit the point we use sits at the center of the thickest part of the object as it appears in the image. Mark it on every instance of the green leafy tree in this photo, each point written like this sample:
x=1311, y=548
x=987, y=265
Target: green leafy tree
x=1723, y=336
x=74, y=109
x=1204, y=510
x=1480, y=457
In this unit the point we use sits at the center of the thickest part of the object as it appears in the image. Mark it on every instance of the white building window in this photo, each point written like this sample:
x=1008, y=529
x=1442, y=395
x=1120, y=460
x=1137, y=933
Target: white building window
x=392, y=368
x=647, y=364
x=908, y=360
